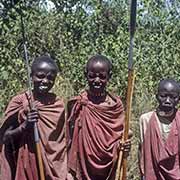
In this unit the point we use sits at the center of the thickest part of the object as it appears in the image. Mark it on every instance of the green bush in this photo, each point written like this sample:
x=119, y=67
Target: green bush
x=75, y=30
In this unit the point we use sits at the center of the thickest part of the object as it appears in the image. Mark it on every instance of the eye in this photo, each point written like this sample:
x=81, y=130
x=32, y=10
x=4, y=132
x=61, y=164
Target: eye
x=91, y=75
x=51, y=77
x=174, y=96
x=162, y=95
x=102, y=76
x=40, y=75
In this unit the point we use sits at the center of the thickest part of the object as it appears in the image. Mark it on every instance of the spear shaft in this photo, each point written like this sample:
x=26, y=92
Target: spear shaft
x=122, y=161
x=36, y=133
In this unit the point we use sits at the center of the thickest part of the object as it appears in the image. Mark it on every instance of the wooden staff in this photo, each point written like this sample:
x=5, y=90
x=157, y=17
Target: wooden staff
x=36, y=133
x=122, y=161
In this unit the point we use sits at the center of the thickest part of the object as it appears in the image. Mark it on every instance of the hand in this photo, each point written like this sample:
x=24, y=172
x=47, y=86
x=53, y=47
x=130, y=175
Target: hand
x=32, y=117
x=126, y=146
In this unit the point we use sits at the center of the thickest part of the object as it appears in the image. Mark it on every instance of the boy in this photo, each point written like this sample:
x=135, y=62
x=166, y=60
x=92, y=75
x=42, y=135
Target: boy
x=95, y=121
x=160, y=137
x=17, y=146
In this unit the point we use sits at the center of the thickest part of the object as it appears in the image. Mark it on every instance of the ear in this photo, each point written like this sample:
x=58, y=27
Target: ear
x=179, y=98
x=85, y=73
x=110, y=75
x=157, y=96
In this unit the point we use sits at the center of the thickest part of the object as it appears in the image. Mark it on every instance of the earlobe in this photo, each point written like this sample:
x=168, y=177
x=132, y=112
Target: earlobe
x=179, y=98
x=85, y=73
x=110, y=74
x=157, y=96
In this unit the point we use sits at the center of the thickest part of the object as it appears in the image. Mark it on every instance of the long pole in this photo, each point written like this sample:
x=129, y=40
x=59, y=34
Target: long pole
x=36, y=133
x=122, y=161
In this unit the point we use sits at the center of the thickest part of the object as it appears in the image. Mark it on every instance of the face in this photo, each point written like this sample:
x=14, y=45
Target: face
x=97, y=76
x=168, y=96
x=43, y=77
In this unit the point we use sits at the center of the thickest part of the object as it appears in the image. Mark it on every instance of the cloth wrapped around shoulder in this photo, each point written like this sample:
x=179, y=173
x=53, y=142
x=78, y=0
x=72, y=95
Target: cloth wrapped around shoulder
x=18, y=159
x=95, y=141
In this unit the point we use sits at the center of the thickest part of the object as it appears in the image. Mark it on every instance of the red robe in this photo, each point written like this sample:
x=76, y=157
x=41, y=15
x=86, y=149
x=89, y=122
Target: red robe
x=96, y=136
x=160, y=160
x=19, y=163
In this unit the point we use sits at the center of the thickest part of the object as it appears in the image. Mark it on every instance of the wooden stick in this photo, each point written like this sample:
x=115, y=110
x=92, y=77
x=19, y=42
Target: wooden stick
x=36, y=133
x=131, y=80
x=38, y=152
x=122, y=163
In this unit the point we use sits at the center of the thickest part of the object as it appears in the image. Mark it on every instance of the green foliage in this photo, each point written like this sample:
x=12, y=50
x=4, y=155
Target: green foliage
x=74, y=30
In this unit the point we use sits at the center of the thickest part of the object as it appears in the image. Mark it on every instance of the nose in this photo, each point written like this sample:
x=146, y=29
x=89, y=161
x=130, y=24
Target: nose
x=97, y=79
x=45, y=80
x=168, y=100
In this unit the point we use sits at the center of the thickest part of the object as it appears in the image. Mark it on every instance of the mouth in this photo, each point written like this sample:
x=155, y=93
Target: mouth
x=97, y=85
x=43, y=88
x=168, y=105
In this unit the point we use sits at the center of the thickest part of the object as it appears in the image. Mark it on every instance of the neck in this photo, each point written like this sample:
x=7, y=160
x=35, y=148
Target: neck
x=39, y=96
x=97, y=94
x=166, y=114
x=97, y=97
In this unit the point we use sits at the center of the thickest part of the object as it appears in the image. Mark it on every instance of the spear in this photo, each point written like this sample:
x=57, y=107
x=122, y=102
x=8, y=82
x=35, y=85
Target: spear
x=122, y=161
x=36, y=133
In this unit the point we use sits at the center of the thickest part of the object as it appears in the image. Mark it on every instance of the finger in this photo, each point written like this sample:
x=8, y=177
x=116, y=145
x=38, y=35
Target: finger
x=33, y=115
x=127, y=143
x=121, y=148
x=130, y=134
x=32, y=120
x=33, y=112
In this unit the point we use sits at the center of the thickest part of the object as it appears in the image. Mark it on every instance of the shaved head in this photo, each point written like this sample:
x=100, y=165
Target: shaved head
x=170, y=84
x=41, y=60
x=99, y=59
x=168, y=95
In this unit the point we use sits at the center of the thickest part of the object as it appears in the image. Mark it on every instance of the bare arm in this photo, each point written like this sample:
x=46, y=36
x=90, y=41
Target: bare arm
x=16, y=129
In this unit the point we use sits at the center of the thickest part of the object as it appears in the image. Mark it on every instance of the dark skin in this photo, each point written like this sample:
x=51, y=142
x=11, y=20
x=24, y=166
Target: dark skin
x=43, y=78
x=168, y=98
x=98, y=75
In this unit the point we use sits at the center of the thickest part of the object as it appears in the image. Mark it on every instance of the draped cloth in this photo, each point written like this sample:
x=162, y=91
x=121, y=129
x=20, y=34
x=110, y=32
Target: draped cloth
x=97, y=131
x=18, y=159
x=159, y=158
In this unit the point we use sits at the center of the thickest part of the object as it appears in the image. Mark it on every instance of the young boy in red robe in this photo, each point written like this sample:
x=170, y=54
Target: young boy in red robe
x=160, y=135
x=95, y=122
x=18, y=159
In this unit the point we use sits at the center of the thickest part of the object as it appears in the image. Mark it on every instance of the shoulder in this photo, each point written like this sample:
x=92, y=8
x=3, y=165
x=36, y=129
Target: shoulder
x=144, y=122
x=144, y=118
x=178, y=111
x=74, y=100
x=178, y=114
x=56, y=100
x=17, y=99
x=147, y=115
x=117, y=99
